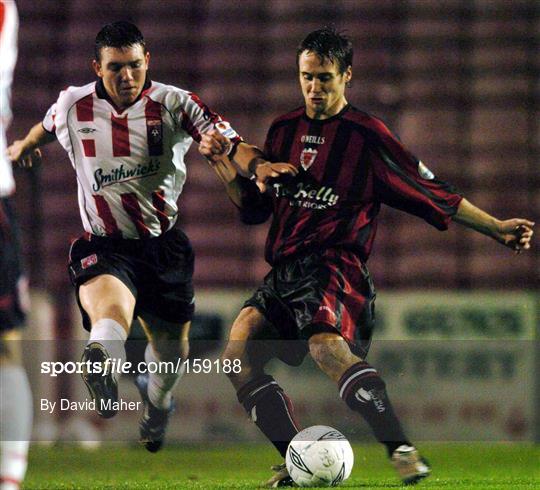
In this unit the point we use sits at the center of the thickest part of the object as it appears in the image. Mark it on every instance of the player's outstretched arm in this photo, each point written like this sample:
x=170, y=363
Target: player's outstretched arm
x=26, y=152
x=248, y=158
x=514, y=233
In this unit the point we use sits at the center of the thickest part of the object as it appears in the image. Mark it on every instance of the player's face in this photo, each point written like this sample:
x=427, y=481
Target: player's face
x=322, y=85
x=123, y=71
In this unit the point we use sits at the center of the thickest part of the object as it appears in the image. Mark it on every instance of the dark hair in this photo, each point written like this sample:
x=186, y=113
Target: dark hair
x=119, y=34
x=329, y=44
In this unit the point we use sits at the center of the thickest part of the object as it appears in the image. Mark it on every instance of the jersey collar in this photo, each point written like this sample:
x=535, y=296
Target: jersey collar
x=101, y=92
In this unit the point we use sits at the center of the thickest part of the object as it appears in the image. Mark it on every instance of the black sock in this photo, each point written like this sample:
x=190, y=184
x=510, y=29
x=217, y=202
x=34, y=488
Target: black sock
x=364, y=391
x=271, y=410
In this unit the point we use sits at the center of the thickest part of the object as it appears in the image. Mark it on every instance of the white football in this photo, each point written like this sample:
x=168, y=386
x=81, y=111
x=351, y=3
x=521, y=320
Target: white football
x=319, y=456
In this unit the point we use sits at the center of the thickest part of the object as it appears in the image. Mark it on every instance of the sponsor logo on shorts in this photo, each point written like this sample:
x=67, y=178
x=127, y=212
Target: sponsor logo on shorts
x=328, y=309
x=89, y=261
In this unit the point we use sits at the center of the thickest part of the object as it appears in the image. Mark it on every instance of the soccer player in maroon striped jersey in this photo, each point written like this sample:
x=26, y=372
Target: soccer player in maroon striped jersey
x=319, y=296
x=126, y=136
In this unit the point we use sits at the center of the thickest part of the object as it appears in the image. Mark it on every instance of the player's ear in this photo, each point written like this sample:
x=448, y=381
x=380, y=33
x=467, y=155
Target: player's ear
x=97, y=68
x=348, y=74
x=147, y=58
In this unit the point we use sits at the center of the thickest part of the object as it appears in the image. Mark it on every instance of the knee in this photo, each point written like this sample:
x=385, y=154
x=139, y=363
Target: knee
x=236, y=366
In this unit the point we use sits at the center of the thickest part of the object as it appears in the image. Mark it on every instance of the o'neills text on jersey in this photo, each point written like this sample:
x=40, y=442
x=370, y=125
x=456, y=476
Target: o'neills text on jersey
x=307, y=196
x=123, y=174
x=316, y=140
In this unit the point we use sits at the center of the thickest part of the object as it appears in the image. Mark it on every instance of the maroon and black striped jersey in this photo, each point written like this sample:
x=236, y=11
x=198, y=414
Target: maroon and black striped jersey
x=348, y=165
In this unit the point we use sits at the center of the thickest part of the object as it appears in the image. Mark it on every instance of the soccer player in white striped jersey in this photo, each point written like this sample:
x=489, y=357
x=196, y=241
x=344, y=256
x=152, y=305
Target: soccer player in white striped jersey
x=126, y=136
x=15, y=395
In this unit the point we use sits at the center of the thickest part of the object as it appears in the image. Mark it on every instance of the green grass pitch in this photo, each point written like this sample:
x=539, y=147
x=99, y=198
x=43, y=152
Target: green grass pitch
x=211, y=466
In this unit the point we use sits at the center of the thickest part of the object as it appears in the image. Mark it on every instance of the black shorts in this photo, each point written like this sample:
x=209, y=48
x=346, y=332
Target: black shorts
x=330, y=291
x=158, y=271
x=12, y=282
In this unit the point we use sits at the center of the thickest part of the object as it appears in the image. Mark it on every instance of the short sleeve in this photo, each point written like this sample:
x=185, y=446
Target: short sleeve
x=48, y=122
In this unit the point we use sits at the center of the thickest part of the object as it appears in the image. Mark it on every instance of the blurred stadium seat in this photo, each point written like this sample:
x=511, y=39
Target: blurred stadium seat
x=456, y=81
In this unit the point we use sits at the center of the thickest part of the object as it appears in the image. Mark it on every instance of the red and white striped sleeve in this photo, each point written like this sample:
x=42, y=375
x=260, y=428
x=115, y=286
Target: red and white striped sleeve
x=197, y=118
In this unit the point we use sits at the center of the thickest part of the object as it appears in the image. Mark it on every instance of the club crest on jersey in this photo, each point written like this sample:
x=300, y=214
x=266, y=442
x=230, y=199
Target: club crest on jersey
x=154, y=134
x=89, y=261
x=154, y=127
x=307, y=157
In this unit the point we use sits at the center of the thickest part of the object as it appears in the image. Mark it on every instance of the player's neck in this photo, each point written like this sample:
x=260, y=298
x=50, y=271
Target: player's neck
x=118, y=106
x=329, y=112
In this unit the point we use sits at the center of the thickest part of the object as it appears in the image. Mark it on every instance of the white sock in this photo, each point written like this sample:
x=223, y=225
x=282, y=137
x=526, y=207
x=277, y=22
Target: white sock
x=111, y=335
x=15, y=424
x=161, y=384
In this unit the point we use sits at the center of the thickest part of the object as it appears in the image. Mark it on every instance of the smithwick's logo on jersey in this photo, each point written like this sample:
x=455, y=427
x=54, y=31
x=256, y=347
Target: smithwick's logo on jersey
x=86, y=130
x=123, y=174
x=89, y=261
x=307, y=196
x=307, y=157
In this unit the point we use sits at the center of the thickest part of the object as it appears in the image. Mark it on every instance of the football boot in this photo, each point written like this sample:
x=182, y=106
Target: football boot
x=410, y=467
x=153, y=423
x=101, y=383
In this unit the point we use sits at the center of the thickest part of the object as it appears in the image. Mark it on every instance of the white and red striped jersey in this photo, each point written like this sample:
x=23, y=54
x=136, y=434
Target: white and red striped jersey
x=9, y=23
x=130, y=165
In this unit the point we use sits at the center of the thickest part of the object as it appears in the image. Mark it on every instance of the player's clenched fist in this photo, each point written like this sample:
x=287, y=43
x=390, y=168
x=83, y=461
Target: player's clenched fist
x=213, y=145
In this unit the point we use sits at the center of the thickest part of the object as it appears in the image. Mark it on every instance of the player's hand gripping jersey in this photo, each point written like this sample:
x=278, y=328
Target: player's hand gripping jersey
x=349, y=164
x=130, y=164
